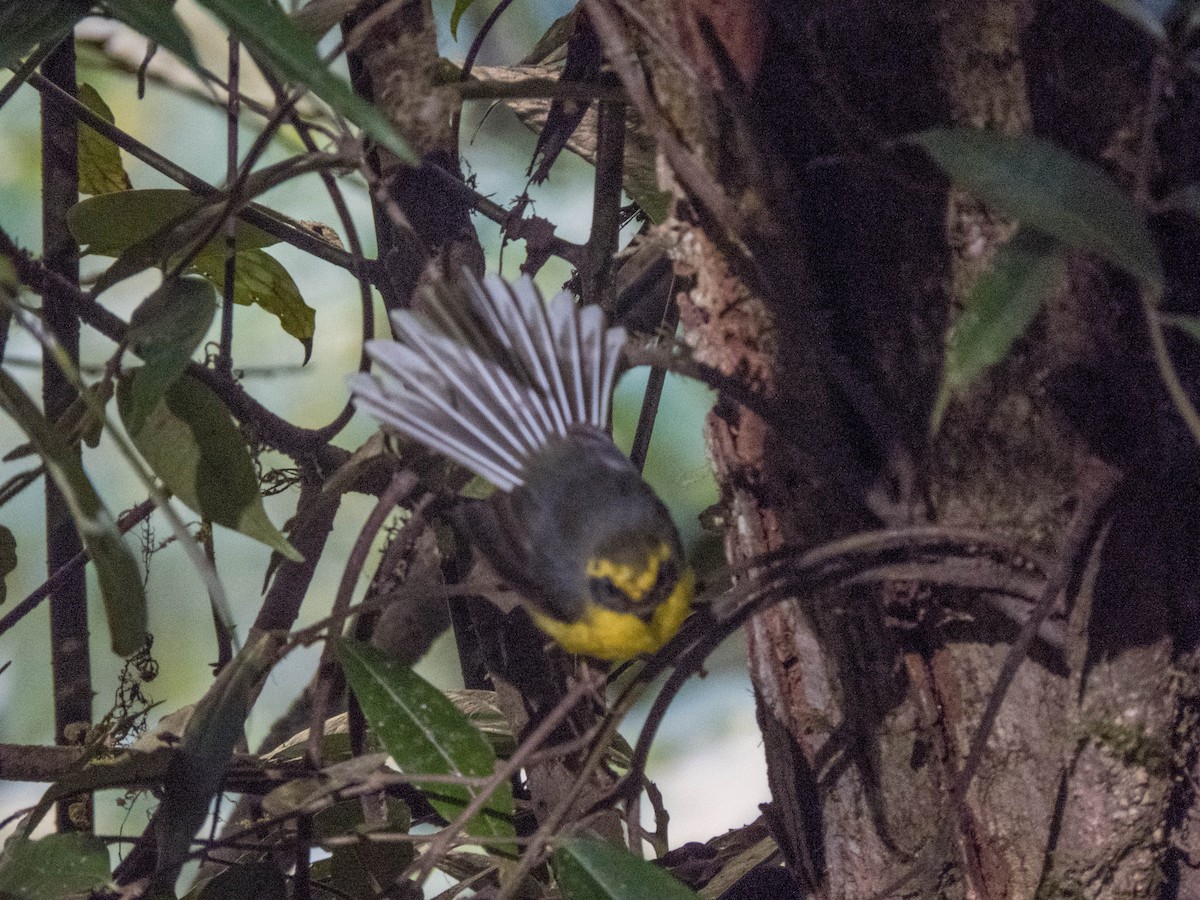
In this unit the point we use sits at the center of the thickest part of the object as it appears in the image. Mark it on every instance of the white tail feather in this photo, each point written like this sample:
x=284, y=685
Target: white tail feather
x=490, y=383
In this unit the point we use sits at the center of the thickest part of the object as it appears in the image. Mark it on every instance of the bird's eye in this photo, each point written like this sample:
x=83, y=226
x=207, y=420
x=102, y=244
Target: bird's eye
x=604, y=591
x=668, y=575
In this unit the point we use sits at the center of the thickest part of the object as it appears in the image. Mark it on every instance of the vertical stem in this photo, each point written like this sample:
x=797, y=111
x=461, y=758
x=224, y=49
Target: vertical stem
x=650, y=400
x=232, y=110
x=606, y=205
x=69, y=653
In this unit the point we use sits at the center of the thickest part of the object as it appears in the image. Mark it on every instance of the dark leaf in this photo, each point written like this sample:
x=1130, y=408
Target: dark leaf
x=165, y=330
x=100, y=169
x=24, y=25
x=51, y=868
x=156, y=19
x=998, y=310
x=365, y=869
x=456, y=14
x=1045, y=187
x=193, y=445
x=272, y=37
x=426, y=734
x=116, y=569
x=587, y=869
x=244, y=881
x=206, y=747
x=110, y=224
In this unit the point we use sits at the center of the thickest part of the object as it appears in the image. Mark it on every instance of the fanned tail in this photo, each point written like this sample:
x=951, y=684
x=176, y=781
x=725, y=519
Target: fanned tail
x=488, y=383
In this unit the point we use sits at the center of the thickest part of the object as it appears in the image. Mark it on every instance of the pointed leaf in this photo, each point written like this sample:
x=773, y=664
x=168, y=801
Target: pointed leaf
x=1045, y=187
x=262, y=280
x=120, y=581
x=206, y=747
x=317, y=16
x=368, y=868
x=1140, y=15
x=588, y=869
x=25, y=25
x=51, y=868
x=998, y=310
x=110, y=224
x=425, y=734
x=243, y=881
x=156, y=19
x=456, y=14
x=157, y=227
x=165, y=330
x=272, y=37
x=192, y=444
x=178, y=313
x=100, y=169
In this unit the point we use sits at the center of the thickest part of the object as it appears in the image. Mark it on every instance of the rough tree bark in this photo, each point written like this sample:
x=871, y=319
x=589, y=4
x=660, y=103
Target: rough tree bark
x=828, y=262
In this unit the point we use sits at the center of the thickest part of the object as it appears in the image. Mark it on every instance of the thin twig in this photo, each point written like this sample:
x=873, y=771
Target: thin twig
x=469, y=63
x=361, y=271
x=401, y=486
x=232, y=114
x=300, y=443
x=47, y=587
x=22, y=73
x=256, y=216
x=1098, y=483
x=588, y=684
x=601, y=245
x=655, y=382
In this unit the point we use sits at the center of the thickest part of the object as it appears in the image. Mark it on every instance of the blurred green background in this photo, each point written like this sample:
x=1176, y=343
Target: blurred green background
x=709, y=738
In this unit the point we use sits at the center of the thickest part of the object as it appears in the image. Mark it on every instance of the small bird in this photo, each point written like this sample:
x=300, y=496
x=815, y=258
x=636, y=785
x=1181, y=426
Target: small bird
x=518, y=391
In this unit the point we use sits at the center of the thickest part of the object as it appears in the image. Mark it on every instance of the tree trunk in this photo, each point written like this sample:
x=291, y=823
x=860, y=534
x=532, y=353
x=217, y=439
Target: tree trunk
x=827, y=261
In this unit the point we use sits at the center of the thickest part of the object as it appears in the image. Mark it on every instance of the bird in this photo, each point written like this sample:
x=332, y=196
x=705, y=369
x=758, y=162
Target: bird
x=519, y=392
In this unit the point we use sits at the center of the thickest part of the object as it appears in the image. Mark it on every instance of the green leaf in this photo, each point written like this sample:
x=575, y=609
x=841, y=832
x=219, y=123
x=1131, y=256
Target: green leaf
x=368, y=868
x=998, y=310
x=273, y=38
x=157, y=227
x=1189, y=325
x=460, y=7
x=263, y=281
x=244, y=881
x=426, y=734
x=156, y=19
x=120, y=581
x=1045, y=187
x=192, y=444
x=51, y=868
x=100, y=169
x=110, y=224
x=176, y=314
x=164, y=331
x=212, y=732
x=8, y=559
x=1140, y=15
x=318, y=16
x=24, y=25
x=588, y=869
